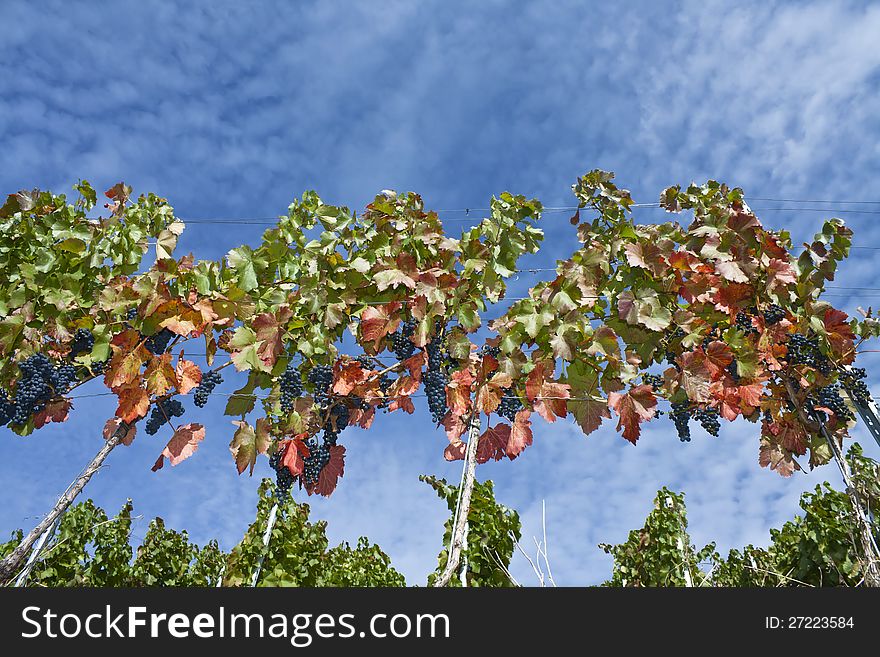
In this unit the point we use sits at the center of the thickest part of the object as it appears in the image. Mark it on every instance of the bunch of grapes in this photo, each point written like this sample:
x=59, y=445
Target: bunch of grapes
x=774, y=314
x=435, y=389
x=339, y=417
x=321, y=377
x=158, y=342
x=805, y=351
x=163, y=411
x=401, y=344
x=210, y=380
x=510, y=405
x=680, y=414
x=316, y=460
x=39, y=382
x=852, y=380
x=82, y=342
x=366, y=362
x=744, y=323
x=708, y=419
x=486, y=350
x=653, y=380
x=829, y=397
x=291, y=386
x=283, y=479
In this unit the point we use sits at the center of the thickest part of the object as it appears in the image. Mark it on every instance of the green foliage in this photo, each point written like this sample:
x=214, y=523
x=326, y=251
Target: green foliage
x=90, y=549
x=493, y=532
x=820, y=548
x=660, y=553
x=298, y=554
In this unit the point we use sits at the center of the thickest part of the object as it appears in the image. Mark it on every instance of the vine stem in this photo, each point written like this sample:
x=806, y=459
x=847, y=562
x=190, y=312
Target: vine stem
x=460, y=525
x=10, y=565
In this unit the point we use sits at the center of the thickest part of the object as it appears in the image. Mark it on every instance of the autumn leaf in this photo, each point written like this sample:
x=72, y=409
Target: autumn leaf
x=182, y=445
x=378, y=321
x=634, y=407
x=772, y=454
x=392, y=278
x=248, y=443
x=718, y=357
x=455, y=451
x=56, y=410
x=839, y=334
x=134, y=402
x=779, y=274
x=188, y=375
x=520, y=434
x=112, y=426
x=458, y=392
x=160, y=375
x=493, y=443
x=455, y=426
x=695, y=377
x=293, y=455
x=348, y=376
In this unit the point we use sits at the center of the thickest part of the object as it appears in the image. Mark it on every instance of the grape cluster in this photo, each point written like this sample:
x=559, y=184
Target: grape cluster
x=851, y=379
x=162, y=412
x=313, y=464
x=339, y=416
x=680, y=415
x=401, y=344
x=210, y=380
x=40, y=380
x=829, y=397
x=158, y=342
x=708, y=419
x=366, y=362
x=82, y=342
x=283, y=479
x=805, y=351
x=291, y=386
x=321, y=377
x=653, y=380
x=435, y=389
x=744, y=323
x=774, y=314
x=510, y=405
x=486, y=350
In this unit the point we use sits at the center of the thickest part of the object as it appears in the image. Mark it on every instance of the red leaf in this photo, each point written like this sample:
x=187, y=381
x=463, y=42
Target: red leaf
x=773, y=455
x=520, y=435
x=552, y=401
x=779, y=274
x=718, y=357
x=695, y=377
x=182, y=445
x=269, y=332
x=379, y=321
x=112, y=425
x=635, y=407
x=330, y=473
x=454, y=451
x=56, y=410
x=493, y=443
x=292, y=456
x=348, y=377
x=840, y=334
x=455, y=426
x=188, y=375
x=458, y=392
x=134, y=402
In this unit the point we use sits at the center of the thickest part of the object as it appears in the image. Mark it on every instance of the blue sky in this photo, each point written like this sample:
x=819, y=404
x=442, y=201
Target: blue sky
x=232, y=110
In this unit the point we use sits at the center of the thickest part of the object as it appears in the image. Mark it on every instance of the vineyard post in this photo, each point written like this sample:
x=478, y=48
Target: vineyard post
x=685, y=553
x=35, y=553
x=267, y=536
x=458, y=539
x=10, y=564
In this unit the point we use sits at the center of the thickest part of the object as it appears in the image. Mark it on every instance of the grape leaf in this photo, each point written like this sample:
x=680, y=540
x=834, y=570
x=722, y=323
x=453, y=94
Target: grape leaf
x=634, y=407
x=188, y=375
x=379, y=321
x=182, y=445
x=56, y=410
x=113, y=424
x=248, y=443
x=160, y=375
x=493, y=443
x=134, y=402
x=588, y=406
x=520, y=434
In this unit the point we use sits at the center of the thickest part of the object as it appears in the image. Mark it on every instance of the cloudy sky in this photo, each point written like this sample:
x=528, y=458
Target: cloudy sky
x=232, y=110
